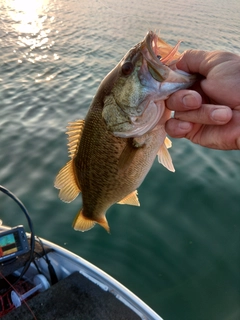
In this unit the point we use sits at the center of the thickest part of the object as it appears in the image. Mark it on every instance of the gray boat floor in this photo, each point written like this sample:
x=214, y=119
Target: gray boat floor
x=74, y=297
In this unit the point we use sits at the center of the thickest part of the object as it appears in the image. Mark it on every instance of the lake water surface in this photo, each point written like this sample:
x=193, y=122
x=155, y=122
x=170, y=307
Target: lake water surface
x=179, y=251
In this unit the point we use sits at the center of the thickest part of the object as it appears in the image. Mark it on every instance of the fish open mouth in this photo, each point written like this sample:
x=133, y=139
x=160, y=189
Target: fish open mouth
x=160, y=50
x=156, y=77
x=161, y=60
x=160, y=77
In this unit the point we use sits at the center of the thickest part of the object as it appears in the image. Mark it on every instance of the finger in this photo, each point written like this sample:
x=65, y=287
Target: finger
x=191, y=61
x=207, y=114
x=184, y=100
x=220, y=137
x=178, y=129
x=200, y=61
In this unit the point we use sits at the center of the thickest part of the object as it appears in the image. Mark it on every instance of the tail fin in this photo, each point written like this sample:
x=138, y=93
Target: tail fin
x=81, y=223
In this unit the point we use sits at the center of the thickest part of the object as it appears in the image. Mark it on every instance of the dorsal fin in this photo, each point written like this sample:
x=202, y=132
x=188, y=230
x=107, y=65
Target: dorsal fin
x=66, y=182
x=66, y=179
x=131, y=199
x=74, y=132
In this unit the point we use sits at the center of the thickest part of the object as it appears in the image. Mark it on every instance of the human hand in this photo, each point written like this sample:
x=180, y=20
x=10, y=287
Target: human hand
x=209, y=115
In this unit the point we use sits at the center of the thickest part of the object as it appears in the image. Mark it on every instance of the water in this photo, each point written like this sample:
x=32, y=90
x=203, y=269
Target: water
x=180, y=250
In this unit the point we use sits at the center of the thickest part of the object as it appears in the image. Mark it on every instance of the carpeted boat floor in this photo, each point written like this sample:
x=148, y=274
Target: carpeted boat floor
x=74, y=297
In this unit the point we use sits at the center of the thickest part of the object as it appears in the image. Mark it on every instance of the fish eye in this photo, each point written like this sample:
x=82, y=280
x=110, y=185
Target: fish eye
x=127, y=68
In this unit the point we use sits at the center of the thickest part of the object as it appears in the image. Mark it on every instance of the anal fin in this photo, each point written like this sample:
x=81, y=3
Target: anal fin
x=131, y=199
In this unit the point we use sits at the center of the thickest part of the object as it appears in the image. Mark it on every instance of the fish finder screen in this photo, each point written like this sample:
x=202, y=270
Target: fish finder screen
x=9, y=243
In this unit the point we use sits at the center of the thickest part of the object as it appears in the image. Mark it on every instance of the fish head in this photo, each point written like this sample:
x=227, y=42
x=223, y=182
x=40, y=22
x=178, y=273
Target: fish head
x=138, y=86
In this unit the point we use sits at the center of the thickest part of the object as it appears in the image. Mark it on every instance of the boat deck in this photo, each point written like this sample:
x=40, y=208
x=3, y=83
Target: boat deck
x=74, y=297
x=83, y=291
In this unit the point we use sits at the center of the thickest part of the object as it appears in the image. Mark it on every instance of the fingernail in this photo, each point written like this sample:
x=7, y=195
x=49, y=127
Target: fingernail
x=185, y=126
x=221, y=115
x=190, y=101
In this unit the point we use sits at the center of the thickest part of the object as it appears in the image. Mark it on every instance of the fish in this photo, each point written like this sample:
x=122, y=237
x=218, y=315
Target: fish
x=113, y=148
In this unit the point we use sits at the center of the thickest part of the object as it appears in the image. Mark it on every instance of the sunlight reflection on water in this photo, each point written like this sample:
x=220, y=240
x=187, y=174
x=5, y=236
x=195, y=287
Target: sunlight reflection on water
x=27, y=15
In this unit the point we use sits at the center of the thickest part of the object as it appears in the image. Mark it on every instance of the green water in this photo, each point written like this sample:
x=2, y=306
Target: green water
x=179, y=251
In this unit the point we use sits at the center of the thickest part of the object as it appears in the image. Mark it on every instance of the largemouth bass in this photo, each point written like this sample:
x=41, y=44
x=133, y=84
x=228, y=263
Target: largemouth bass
x=113, y=149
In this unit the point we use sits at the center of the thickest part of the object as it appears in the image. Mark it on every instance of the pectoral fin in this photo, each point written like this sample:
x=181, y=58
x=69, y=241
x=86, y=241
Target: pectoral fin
x=131, y=199
x=164, y=156
x=127, y=155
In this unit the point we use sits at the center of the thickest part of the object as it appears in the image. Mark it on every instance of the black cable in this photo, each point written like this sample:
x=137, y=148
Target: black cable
x=52, y=273
x=32, y=239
